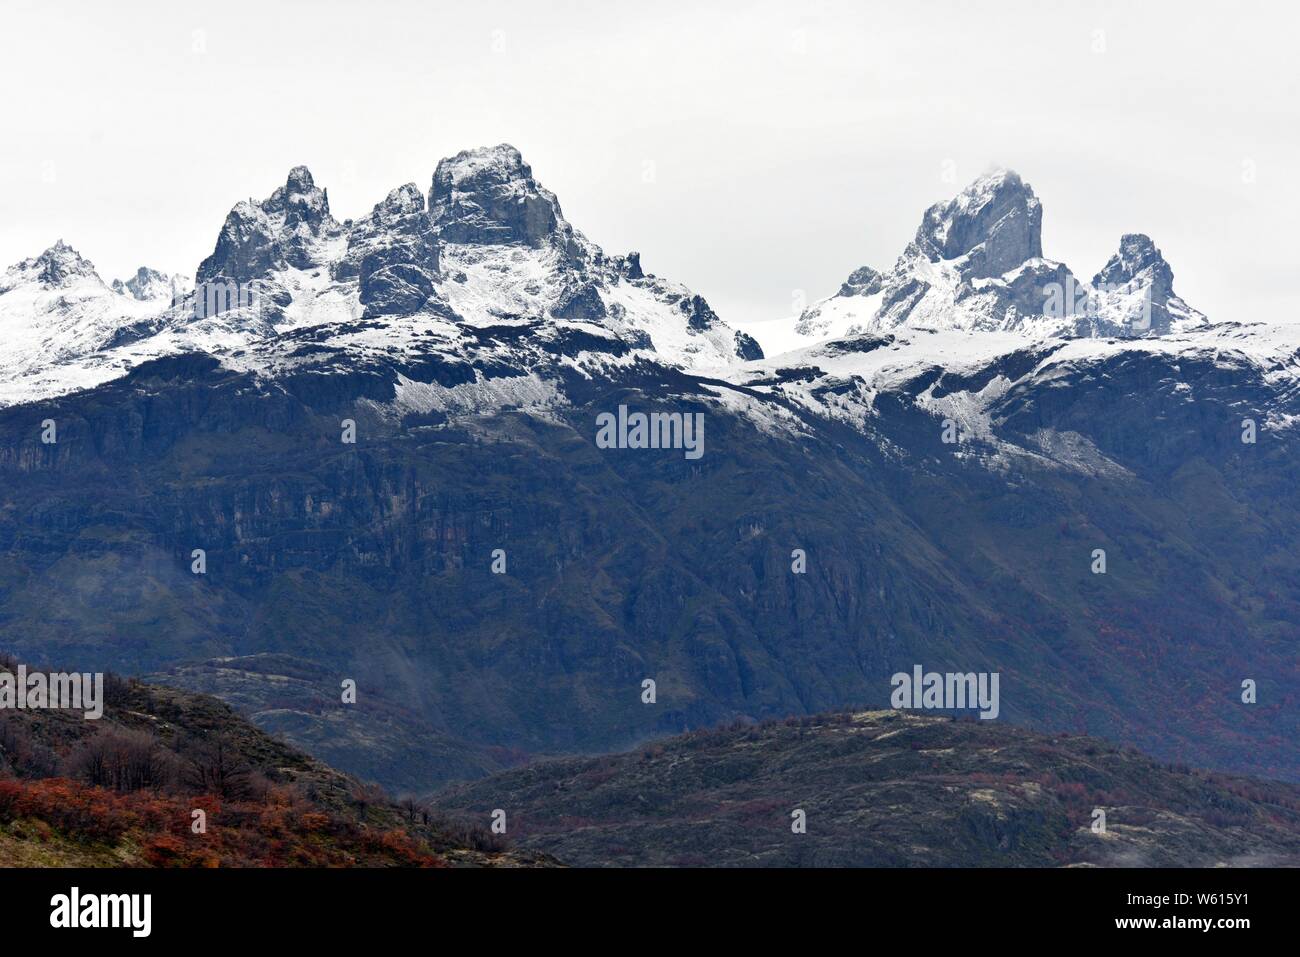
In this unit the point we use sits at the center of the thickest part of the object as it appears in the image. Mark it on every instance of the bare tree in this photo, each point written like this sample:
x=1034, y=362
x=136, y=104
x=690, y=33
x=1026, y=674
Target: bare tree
x=20, y=751
x=123, y=760
x=216, y=767
x=411, y=807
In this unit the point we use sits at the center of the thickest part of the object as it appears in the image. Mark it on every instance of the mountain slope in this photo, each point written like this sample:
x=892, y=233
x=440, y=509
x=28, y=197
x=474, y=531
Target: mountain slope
x=121, y=791
x=886, y=789
x=949, y=489
x=54, y=308
x=374, y=560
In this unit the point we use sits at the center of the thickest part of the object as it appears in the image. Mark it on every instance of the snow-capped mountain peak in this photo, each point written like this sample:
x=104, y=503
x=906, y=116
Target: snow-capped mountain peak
x=508, y=252
x=1133, y=294
x=150, y=285
x=996, y=223
x=55, y=308
x=59, y=265
x=284, y=230
x=488, y=196
x=393, y=254
x=401, y=201
x=299, y=200
x=489, y=249
x=863, y=281
x=976, y=265
x=1137, y=253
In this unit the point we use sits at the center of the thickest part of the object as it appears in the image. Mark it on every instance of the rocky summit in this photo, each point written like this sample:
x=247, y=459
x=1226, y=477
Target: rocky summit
x=995, y=225
x=282, y=231
x=489, y=196
x=977, y=264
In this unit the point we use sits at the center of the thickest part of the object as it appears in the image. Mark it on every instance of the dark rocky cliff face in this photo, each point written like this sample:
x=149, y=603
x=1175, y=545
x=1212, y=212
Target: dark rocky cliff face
x=374, y=562
x=393, y=253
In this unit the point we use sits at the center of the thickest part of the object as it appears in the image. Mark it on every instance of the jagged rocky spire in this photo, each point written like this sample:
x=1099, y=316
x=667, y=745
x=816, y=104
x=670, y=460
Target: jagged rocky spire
x=393, y=253
x=277, y=232
x=1137, y=257
x=976, y=264
x=1135, y=292
x=58, y=265
x=996, y=222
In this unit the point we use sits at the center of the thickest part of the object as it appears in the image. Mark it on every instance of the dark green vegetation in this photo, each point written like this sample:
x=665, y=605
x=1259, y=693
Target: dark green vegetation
x=886, y=789
x=372, y=562
x=121, y=791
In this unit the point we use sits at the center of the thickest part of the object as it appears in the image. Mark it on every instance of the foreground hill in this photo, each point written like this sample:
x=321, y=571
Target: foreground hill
x=122, y=791
x=886, y=789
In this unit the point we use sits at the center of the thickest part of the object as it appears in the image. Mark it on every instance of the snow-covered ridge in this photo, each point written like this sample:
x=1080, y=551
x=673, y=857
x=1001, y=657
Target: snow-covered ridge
x=488, y=246
x=481, y=295
x=54, y=308
x=963, y=377
x=973, y=313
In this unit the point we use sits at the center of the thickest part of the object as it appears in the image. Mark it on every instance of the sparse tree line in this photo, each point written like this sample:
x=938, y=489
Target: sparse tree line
x=126, y=760
x=96, y=781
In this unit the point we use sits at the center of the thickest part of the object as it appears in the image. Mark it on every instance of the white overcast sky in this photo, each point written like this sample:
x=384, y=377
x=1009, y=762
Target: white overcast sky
x=789, y=142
